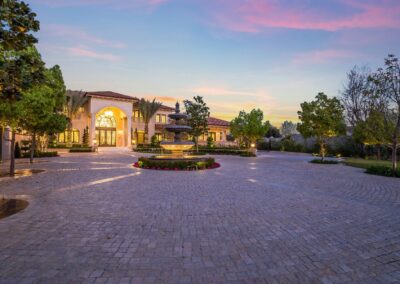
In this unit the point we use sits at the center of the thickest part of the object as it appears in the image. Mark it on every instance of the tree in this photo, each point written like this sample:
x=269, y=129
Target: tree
x=148, y=109
x=39, y=108
x=391, y=88
x=85, y=137
x=16, y=22
x=272, y=131
x=322, y=118
x=249, y=127
x=74, y=101
x=199, y=113
x=288, y=128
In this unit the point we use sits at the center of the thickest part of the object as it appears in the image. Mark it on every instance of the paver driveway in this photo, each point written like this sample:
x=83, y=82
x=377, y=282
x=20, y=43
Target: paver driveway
x=275, y=218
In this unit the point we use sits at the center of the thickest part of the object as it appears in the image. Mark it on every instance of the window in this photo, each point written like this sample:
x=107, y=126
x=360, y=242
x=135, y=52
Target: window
x=73, y=134
x=213, y=135
x=159, y=137
x=161, y=118
x=137, y=116
x=140, y=137
x=106, y=119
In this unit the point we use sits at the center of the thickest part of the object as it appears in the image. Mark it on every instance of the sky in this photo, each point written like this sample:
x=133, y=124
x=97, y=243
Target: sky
x=237, y=54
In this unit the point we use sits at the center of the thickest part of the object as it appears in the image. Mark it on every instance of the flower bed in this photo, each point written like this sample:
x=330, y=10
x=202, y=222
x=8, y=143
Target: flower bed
x=180, y=165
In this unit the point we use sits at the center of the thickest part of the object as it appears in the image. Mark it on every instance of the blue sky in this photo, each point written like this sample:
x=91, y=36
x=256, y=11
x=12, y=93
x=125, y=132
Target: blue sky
x=237, y=54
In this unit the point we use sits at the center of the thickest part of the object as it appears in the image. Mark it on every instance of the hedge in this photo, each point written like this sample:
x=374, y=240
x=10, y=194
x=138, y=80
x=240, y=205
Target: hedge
x=149, y=163
x=39, y=154
x=81, y=150
x=383, y=171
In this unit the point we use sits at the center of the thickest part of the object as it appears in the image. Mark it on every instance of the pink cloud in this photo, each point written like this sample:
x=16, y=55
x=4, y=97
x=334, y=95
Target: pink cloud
x=77, y=34
x=322, y=56
x=256, y=15
x=84, y=52
x=119, y=4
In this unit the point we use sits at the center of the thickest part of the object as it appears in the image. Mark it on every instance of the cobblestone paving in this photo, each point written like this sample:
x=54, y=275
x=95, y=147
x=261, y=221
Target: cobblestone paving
x=276, y=218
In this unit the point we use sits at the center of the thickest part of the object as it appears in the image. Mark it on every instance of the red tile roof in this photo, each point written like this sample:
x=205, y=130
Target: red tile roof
x=167, y=108
x=217, y=122
x=110, y=95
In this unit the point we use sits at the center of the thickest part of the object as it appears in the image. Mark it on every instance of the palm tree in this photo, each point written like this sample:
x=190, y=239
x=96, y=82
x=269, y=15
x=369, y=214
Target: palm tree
x=75, y=100
x=148, y=109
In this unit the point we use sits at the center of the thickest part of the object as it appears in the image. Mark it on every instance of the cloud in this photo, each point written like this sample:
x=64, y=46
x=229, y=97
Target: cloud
x=254, y=16
x=116, y=4
x=322, y=56
x=84, y=52
x=76, y=34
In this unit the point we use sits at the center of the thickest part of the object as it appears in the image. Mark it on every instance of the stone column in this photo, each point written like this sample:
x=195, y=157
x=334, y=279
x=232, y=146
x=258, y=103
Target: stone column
x=129, y=130
x=92, y=129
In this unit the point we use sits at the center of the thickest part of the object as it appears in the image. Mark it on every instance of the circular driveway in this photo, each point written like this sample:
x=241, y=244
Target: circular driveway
x=275, y=218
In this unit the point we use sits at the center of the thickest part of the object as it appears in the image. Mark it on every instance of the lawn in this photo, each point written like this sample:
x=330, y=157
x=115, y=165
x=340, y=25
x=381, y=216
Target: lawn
x=362, y=163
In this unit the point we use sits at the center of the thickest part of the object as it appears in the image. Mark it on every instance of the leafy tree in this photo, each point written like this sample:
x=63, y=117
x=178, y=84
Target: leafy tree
x=322, y=118
x=272, y=131
x=249, y=127
x=199, y=113
x=148, y=109
x=17, y=21
x=74, y=101
x=288, y=128
x=391, y=89
x=38, y=113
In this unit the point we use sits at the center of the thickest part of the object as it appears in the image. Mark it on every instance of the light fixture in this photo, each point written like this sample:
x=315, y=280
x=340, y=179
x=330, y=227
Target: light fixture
x=108, y=113
x=252, y=145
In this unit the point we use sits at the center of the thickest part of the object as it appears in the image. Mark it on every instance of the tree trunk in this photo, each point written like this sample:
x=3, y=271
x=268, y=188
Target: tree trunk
x=322, y=150
x=394, y=144
x=196, y=141
x=146, y=133
x=33, y=147
x=12, y=154
x=1, y=143
x=378, y=152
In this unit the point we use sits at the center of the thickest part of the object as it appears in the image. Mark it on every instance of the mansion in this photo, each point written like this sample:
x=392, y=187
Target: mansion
x=114, y=120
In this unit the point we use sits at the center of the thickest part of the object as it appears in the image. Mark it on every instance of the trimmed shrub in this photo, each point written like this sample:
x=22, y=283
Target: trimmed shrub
x=382, y=171
x=81, y=150
x=147, y=163
x=325, y=162
x=248, y=154
x=39, y=154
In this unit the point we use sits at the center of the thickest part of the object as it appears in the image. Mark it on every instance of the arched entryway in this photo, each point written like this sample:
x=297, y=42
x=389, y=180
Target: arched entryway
x=111, y=128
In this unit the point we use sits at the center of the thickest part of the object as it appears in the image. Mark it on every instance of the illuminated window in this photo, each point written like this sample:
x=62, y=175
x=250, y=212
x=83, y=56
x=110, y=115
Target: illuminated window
x=106, y=119
x=137, y=116
x=161, y=118
x=159, y=137
x=73, y=134
x=213, y=135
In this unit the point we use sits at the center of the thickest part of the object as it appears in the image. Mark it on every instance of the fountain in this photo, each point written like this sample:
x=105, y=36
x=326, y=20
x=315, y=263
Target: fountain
x=177, y=146
x=177, y=160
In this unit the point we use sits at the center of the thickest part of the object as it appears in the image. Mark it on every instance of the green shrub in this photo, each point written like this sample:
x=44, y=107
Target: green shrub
x=154, y=141
x=144, y=162
x=382, y=171
x=263, y=145
x=17, y=151
x=39, y=154
x=291, y=146
x=210, y=142
x=81, y=150
x=248, y=154
x=85, y=137
x=325, y=162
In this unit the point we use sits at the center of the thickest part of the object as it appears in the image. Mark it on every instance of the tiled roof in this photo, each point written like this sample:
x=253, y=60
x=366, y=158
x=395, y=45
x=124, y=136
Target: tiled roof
x=110, y=95
x=167, y=108
x=217, y=122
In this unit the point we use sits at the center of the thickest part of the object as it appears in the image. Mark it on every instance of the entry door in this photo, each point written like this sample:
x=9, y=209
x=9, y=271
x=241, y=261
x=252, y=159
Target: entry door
x=106, y=137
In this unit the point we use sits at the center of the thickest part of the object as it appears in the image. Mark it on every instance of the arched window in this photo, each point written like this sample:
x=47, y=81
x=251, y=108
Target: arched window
x=106, y=119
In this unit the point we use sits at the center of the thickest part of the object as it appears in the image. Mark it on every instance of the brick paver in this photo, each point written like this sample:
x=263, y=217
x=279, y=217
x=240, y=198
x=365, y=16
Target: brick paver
x=93, y=218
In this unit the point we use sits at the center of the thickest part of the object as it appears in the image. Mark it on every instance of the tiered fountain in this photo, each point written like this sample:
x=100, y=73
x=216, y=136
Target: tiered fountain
x=177, y=146
x=177, y=160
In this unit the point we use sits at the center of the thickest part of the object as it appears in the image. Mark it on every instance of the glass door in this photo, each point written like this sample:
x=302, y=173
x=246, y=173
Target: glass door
x=106, y=137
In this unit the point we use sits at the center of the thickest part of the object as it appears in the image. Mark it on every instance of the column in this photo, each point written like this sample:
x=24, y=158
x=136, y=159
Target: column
x=129, y=130
x=92, y=127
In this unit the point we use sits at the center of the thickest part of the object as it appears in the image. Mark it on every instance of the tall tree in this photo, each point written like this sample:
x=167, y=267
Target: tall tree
x=249, y=127
x=40, y=107
x=74, y=101
x=288, y=128
x=199, y=113
x=391, y=88
x=148, y=109
x=273, y=131
x=322, y=118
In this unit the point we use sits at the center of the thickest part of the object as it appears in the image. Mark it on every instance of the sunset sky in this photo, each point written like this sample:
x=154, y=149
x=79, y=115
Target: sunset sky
x=237, y=54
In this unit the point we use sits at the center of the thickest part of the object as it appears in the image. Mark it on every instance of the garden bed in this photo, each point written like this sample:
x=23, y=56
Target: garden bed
x=176, y=165
x=9, y=207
